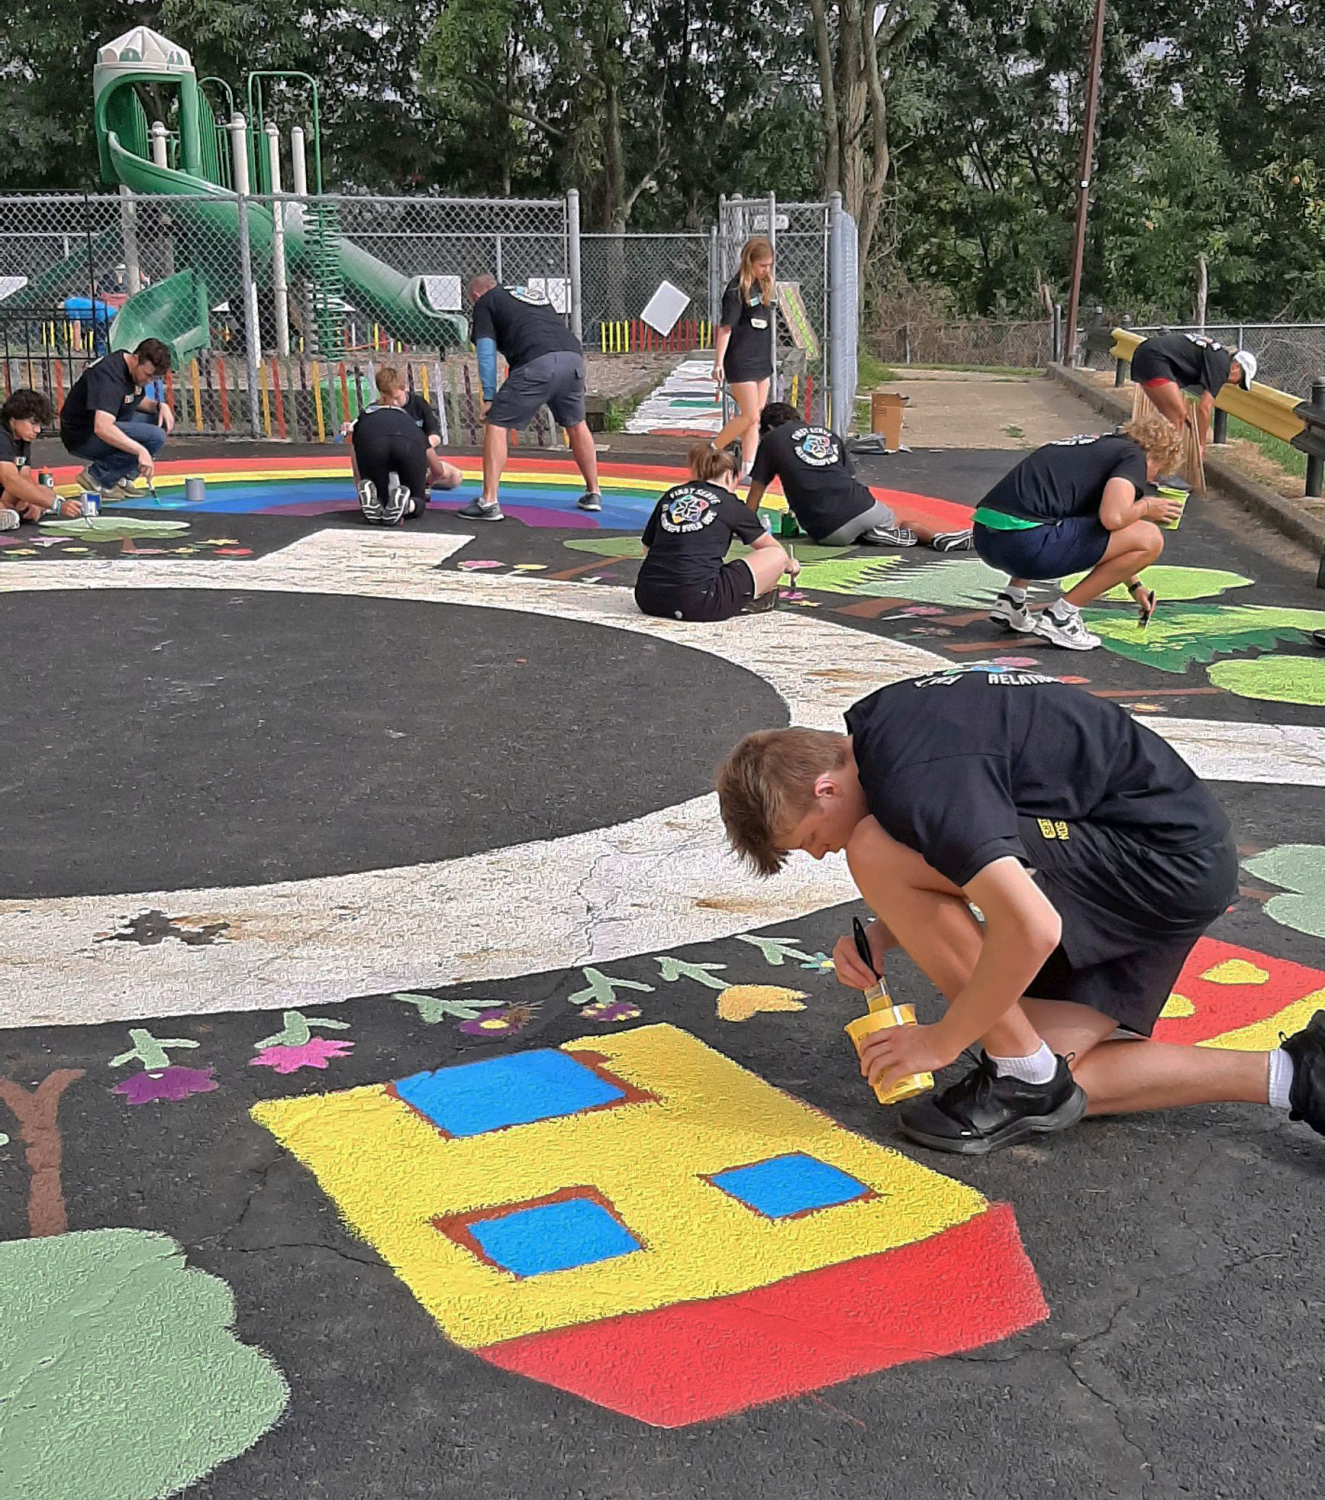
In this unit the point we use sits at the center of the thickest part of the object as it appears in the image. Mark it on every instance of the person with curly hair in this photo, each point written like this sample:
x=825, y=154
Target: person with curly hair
x=22, y=417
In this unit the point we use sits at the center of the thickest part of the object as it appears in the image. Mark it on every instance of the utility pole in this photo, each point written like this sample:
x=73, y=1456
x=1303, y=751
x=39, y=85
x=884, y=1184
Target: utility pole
x=1083, y=183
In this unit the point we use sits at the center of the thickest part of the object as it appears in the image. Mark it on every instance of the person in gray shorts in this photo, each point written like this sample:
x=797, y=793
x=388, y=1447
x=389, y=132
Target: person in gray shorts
x=546, y=368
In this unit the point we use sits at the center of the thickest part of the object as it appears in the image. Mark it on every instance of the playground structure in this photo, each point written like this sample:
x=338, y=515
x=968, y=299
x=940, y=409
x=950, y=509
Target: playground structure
x=277, y=298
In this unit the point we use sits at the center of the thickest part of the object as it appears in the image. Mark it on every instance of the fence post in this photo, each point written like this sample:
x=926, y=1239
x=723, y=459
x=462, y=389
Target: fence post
x=249, y=290
x=133, y=280
x=573, y=262
x=1056, y=350
x=841, y=401
x=772, y=311
x=715, y=284
x=280, y=293
x=1316, y=466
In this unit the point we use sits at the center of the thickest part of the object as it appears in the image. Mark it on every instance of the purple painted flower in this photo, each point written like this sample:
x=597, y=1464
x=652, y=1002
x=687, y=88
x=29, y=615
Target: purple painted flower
x=498, y=1023
x=166, y=1083
x=314, y=1053
x=611, y=1010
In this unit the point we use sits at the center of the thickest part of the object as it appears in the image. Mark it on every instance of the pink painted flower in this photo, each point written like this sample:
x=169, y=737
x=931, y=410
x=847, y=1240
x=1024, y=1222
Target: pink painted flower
x=478, y=562
x=314, y=1053
x=614, y=1010
x=1015, y=661
x=923, y=609
x=166, y=1083
x=1075, y=681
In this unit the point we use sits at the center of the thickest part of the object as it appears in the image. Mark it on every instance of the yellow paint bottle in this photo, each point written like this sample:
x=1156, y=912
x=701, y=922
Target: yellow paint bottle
x=883, y=1014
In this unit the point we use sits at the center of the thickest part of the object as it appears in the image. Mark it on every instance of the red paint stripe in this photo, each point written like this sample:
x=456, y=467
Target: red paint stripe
x=1226, y=1007
x=970, y=1285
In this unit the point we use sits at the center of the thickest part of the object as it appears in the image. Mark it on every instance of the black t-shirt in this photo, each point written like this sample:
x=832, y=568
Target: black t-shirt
x=105, y=386
x=688, y=534
x=1067, y=478
x=13, y=450
x=749, y=353
x=523, y=325
x=816, y=476
x=381, y=426
x=1193, y=360
x=423, y=414
x=949, y=762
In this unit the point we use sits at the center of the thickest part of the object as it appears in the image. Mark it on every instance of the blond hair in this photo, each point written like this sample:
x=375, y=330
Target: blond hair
x=1158, y=438
x=766, y=785
x=756, y=248
x=389, y=381
x=708, y=463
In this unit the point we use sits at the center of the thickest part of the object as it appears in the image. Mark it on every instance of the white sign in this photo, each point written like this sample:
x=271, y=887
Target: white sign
x=759, y=222
x=665, y=307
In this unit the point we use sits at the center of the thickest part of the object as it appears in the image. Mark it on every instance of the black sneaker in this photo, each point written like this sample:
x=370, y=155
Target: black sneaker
x=953, y=541
x=1306, y=1098
x=590, y=500
x=984, y=1112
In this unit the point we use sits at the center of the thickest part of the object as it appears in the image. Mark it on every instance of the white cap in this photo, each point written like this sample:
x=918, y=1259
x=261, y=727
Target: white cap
x=1248, y=363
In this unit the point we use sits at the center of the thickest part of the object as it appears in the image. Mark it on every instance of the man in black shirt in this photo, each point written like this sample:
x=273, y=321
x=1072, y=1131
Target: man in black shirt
x=546, y=367
x=1078, y=506
x=1169, y=363
x=1095, y=857
x=823, y=493
x=22, y=417
x=107, y=420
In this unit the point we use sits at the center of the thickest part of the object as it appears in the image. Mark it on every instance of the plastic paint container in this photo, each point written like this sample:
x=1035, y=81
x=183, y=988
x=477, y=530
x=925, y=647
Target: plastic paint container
x=883, y=1019
x=1168, y=492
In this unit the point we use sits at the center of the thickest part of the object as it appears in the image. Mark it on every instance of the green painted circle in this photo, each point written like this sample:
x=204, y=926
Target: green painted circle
x=1273, y=679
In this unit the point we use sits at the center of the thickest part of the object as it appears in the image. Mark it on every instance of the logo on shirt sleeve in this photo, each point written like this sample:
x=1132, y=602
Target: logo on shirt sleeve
x=815, y=446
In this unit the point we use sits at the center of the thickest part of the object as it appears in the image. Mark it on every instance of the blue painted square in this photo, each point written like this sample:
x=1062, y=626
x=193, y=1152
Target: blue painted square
x=553, y=1237
x=473, y=1098
x=789, y=1185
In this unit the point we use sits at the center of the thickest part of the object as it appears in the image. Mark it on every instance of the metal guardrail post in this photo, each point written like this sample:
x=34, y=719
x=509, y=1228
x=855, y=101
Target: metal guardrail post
x=1056, y=349
x=1122, y=368
x=1316, y=466
x=1219, y=433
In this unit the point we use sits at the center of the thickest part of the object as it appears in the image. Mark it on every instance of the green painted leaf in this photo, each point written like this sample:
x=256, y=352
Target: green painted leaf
x=1300, y=869
x=114, y=528
x=1186, y=633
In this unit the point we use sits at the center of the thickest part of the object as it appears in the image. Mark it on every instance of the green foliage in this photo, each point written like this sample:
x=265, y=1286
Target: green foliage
x=1187, y=633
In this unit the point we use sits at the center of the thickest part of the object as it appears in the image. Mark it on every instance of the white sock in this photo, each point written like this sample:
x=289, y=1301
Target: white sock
x=1062, y=610
x=1281, y=1078
x=1039, y=1067
x=1018, y=596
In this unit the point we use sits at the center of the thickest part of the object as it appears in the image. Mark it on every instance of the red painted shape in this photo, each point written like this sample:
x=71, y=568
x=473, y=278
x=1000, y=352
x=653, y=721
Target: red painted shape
x=967, y=1286
x=930, y=507
x=1226, y=1007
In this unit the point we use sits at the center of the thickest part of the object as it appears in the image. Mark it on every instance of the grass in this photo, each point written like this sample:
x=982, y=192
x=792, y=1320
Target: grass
x=1275, y=449
x=873, y=372
x=619, y=411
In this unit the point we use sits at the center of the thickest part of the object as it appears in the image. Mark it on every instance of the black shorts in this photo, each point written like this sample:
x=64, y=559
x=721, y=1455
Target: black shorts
x=1131, y=914
x=1149, y=364
x=727, y=595
x=387, y=442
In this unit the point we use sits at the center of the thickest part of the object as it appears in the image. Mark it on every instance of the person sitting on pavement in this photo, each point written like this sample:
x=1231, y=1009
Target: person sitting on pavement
x=684, y=575
x=389, y=453
x=1078, y=506
x=22, y=498
x=830, y=504
x=546, y=367
x=107, y=420
x=1096, y=858
x=1167, y=364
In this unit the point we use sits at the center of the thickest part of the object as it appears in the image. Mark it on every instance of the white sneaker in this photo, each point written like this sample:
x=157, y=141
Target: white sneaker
x=369, y=504
x=1008, y=612
x=1063, y=625
x=9, y=520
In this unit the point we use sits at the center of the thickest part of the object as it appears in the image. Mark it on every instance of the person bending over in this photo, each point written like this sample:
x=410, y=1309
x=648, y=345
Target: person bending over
x=108, y=421
x=744, y=345
x=392, y=390
x=823, y=493
x=683, y=575
x=1170, y=363
x=546, y=367
x=22, y=417
x=391, y=465
x=1096, y=859
x=1078, y=505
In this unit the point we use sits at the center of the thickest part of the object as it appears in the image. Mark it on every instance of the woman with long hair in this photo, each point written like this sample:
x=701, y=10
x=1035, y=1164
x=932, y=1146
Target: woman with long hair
x=684, y=575
x=744, y=357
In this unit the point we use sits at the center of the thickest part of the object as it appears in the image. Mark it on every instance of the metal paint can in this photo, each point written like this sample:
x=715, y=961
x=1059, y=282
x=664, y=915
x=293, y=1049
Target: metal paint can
x=46, y=479
x=195, y=490
x=91, y=505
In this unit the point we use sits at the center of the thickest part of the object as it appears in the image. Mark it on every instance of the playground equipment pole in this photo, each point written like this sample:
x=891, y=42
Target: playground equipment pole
x=279, y=291
x=299, y=162
x=573, y=262
x=1083, y=188
x=248, y=290
x=159, y=157
x=133, y=281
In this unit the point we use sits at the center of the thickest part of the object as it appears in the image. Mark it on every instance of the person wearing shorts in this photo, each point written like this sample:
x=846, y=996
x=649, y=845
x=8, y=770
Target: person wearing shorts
x=684, y=575
x=391, y=460
x=830, y=504
x=1170, y=363
x=743, y=345
x=545, y=368
x=1096, y=859
x=1078, y=506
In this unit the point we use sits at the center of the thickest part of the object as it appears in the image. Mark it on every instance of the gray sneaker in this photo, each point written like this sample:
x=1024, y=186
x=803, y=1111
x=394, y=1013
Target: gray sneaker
x=481, y=510
x=1007, y=612
x=887, y=536
x=369, y=505
x=394, y=507
x=1063, y=625
x=590, y=500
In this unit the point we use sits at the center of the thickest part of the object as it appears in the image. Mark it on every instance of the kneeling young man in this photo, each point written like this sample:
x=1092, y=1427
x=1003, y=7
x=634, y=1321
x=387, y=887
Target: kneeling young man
x=1096, y=857
x=22, y=498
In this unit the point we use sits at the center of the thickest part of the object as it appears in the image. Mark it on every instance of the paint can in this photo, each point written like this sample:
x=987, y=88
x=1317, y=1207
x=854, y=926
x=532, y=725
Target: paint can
x=195, y=490
x=91, y=505
x=883, y=1019
x=46, y=479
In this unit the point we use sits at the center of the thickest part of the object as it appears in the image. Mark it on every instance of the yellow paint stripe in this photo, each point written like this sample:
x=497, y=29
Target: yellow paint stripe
x=1263, y=1036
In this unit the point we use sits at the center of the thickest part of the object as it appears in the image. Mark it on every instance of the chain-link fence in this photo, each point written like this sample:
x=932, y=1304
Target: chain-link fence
x=981, y=342
x=278, y=308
